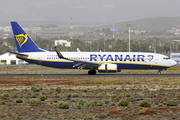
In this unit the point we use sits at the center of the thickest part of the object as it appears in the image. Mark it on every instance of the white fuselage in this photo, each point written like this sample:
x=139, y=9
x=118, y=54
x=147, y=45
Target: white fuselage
x=124, y=60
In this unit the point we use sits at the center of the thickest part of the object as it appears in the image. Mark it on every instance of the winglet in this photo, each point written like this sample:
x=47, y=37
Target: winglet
x=59, y=54
x=78, y=50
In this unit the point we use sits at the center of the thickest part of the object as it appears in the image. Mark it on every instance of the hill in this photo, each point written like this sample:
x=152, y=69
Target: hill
x=150, y=24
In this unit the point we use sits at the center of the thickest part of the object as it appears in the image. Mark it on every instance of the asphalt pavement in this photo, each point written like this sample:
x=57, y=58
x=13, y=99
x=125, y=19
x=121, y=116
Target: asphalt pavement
x=86, y=75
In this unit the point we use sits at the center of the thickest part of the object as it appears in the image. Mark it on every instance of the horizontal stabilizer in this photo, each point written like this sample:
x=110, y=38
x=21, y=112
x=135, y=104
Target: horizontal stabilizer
x=20, y=54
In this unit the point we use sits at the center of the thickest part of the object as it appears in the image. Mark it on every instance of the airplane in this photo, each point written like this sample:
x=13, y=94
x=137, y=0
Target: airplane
x=106, y=62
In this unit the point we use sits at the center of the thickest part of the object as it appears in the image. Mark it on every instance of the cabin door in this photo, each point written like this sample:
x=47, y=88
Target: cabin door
x=156, y=59
x=39, y=59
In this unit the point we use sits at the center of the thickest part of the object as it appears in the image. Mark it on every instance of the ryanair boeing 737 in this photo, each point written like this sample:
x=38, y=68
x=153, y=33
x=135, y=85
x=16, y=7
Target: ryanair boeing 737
x=93, y=61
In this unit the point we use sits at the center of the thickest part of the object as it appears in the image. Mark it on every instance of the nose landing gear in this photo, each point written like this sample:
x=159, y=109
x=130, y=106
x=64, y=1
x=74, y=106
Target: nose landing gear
x=159, y=72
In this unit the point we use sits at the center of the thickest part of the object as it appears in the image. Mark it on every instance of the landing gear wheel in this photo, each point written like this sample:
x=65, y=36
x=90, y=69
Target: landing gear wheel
x=89, y=72
x=159, y=73
x=92, y=72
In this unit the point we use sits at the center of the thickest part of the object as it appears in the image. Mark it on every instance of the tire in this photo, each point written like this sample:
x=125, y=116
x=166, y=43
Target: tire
x=159, y=73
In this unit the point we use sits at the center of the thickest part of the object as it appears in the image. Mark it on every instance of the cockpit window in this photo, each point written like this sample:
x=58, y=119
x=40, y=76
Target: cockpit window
x=166, y=58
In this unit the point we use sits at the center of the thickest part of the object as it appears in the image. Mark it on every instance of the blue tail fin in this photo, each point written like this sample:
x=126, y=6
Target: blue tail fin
x=23, y=42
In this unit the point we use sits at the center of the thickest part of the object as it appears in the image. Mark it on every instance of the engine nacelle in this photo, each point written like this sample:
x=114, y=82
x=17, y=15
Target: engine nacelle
x=108, y=68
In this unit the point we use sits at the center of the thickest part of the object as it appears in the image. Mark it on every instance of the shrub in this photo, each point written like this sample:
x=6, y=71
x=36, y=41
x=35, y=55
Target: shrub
x=35, y=101
x=59, y=95
x=100, y=103
x=64, y=105
x=84, y=95
x=38, y=90
x=73, y=100
x=108, y=94
x=160, y=105
x=58, y=89
x=93, y=103
x=75, y=95
x=5, y=95
x=78, y=106
x=11, y=100
x=19, y=118
x=34, y=89
x=123, y=103
x=69, y=95
x=15, y=95
x=2, y=103
x=74, y=118
x=113, y=103
x=49, y=117
x=89, y=118
x=82, y=102
x=105, y=105
x=97, y=103
x=19, y=100
x=42, y=98
x=106, y=101
x=26, y=90
x=127, y=95
x=174, y=117
x=144, y=103
x=171, y=103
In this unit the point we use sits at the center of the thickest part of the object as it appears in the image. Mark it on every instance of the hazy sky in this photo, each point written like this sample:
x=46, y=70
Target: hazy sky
x=86, y=10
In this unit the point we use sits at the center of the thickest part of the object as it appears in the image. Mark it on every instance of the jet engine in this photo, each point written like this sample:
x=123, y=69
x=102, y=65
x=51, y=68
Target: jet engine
x=108, y=68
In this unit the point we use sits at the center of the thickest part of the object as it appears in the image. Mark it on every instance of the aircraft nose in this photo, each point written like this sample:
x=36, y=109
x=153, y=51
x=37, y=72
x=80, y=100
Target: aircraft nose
x=174, y=63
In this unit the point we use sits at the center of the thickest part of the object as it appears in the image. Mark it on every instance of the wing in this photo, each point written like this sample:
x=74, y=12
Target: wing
x=79, y=63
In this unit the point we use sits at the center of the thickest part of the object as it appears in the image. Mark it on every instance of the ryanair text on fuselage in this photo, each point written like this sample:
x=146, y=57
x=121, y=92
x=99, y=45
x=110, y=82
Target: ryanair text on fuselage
x=94, y=57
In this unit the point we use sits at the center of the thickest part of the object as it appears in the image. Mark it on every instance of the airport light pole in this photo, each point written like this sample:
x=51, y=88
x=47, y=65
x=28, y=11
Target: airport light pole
x=113, y=29
x=129, y=25
x=104, y=46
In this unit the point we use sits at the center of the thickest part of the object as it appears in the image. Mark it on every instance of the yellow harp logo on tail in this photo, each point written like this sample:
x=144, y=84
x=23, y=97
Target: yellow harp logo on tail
x=21, y=39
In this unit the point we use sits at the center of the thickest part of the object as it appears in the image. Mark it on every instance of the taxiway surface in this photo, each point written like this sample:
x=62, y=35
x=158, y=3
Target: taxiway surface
x=86, y=75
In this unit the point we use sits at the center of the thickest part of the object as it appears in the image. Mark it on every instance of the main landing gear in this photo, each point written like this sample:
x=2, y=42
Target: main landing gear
x=92, y=72
x=159, y=72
